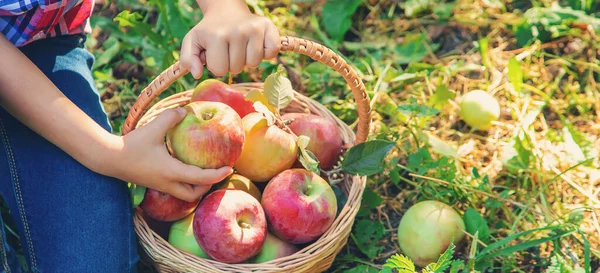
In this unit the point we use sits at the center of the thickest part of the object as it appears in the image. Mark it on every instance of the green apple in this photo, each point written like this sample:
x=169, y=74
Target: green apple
x=426, y=230
x=274, y=248
x=479, y=109
x=182, y=237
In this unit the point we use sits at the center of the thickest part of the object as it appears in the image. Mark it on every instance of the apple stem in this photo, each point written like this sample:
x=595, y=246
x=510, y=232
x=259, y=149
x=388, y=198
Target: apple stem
x=307, y=190
x=207, y=116
x=244, y=225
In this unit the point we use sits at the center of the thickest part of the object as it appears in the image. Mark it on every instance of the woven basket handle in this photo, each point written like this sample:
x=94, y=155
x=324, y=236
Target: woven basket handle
x=311, y=49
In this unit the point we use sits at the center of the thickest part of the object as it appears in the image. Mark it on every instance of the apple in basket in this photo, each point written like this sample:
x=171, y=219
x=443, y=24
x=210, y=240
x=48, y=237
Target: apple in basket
x=215, y=90
x=300, y=205
x=325, y=141
x=238, y=182
x=181, y=236
x=210, y=136
x=268, y=149
x=274, y=248
x=230, y=225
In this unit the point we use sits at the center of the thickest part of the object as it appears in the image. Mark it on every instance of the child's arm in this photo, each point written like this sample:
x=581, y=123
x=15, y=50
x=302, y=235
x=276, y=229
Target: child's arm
x=140, y=157
x=230, y=36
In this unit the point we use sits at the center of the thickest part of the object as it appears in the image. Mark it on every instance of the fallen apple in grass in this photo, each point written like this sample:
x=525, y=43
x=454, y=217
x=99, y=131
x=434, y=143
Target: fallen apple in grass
x=165, y=207
x=215, y=90
x=210, y=136
x=182, y=237
x=274, y=248
x=426, y=230
x=300, y=205
x=268, y=150
x=479, y=109
x=238, y=182
x=230, y=225
x=325, y=141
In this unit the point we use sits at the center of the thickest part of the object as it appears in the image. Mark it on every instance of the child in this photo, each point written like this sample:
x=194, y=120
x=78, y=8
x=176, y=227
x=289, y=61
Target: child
x=62, y=172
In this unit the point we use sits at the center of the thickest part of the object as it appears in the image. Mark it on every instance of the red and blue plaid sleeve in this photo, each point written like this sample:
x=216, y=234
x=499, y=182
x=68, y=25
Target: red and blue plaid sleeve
x=24, y=21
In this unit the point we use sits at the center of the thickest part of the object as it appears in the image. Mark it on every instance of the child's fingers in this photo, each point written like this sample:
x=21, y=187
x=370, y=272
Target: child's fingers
x=217, y=56
x=191, y=56
x=166, y=120
x=255, y=50
x=272, y=42
x=187, y=192
x=237, y=53
x=193, y=175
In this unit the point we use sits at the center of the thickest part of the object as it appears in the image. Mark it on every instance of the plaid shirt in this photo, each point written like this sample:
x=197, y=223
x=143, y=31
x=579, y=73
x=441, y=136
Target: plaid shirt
x=25, y=21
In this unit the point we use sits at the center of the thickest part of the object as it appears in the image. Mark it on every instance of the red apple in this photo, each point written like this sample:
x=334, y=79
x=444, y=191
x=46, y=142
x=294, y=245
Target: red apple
x=238, y=182
x=215, y=90
x=210, y=136
x=325, y=141
x=230, y=226
x=268, y=150
x=164, y=207
x=274, y=248
x=300, y=205
x=182, y=237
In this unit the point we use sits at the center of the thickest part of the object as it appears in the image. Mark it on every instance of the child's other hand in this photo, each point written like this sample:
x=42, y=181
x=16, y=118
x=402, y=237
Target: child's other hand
x=143, y=159
x=230, y=37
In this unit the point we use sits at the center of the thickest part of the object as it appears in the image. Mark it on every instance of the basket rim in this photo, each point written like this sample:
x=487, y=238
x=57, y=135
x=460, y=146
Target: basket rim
x=302, y=46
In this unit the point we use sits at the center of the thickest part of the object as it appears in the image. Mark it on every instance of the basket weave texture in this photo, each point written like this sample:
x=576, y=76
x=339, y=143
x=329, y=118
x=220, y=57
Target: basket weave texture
x=319, y=255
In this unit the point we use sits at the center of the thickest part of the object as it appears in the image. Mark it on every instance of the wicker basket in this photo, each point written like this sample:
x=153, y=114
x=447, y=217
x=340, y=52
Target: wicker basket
x=319, y=255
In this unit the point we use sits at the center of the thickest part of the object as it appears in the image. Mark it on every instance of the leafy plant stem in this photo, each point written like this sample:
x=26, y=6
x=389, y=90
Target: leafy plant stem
x=469, y=189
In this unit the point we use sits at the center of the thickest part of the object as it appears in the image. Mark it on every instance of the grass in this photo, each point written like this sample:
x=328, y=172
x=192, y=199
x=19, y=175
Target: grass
x=532, y=180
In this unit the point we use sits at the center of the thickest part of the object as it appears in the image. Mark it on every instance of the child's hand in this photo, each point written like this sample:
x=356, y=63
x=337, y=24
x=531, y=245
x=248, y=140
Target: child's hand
x=228, y=38
x=143, y=159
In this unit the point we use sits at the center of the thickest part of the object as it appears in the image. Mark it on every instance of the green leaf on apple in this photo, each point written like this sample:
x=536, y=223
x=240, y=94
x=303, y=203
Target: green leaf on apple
x=137, y=193
x=306, y=157
x=366, y=158
x=261, y=108
x=256, y=95
x=278, y=90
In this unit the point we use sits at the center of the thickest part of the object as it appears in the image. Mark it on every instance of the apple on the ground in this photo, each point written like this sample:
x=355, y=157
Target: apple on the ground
x=426, y=230
x=300, y=205
x=230, y=225
x=479, y=109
